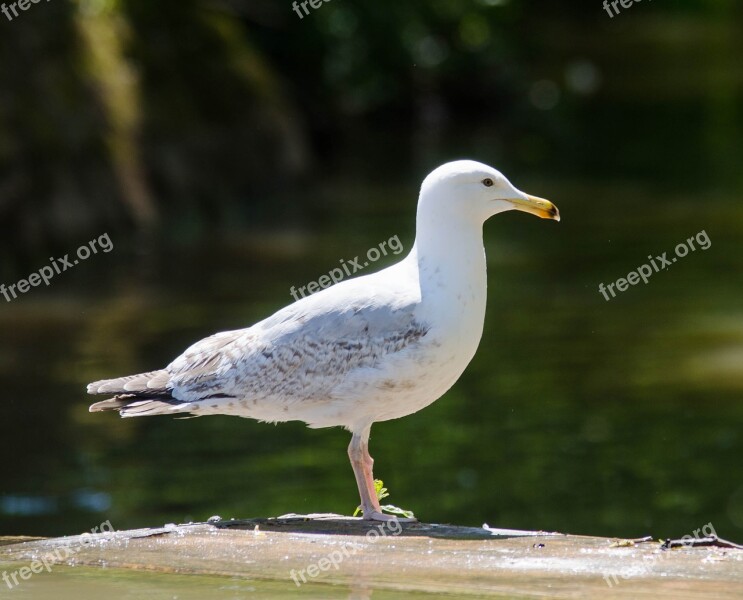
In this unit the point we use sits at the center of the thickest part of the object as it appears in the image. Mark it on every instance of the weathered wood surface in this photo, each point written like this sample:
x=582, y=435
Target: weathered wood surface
x=462, y=561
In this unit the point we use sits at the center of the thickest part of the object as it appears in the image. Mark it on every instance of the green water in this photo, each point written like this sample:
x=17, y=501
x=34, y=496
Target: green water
x=577, y=414
x=71, y=583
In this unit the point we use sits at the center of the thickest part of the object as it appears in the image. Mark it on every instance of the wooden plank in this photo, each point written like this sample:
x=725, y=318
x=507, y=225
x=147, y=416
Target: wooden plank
x=414, y=557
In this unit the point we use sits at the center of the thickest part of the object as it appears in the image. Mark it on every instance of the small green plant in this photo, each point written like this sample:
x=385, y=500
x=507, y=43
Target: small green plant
x=388, y=508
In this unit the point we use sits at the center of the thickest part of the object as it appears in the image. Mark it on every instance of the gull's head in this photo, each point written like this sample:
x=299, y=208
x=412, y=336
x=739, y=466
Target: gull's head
x=475, y=190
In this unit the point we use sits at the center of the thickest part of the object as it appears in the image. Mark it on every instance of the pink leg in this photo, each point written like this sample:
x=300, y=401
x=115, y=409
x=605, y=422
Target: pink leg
x=362, y=463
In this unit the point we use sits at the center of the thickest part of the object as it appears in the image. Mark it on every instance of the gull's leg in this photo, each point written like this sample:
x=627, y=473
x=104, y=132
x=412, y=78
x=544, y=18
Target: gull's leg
x=362, y=463
x=358, y=453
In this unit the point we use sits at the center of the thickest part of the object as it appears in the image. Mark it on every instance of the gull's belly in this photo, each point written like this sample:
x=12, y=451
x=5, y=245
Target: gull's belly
x=405, y=383
x=408, y=381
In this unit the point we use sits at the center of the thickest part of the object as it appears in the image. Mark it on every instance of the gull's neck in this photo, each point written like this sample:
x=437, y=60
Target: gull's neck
x=449, y=259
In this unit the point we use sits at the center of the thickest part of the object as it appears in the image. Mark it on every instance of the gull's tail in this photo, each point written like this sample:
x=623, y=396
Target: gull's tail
x=137, y=395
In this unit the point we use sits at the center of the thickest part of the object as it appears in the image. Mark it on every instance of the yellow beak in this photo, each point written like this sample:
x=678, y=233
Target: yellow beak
x=536, y=206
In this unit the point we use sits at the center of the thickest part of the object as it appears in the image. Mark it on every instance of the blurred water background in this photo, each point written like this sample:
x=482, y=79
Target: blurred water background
x=231, y=151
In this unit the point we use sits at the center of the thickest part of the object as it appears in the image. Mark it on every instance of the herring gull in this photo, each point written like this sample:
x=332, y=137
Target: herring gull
x=373, y=348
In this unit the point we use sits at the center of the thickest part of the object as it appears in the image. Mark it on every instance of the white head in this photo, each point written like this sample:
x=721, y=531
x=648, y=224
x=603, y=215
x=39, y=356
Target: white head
x=474, y=191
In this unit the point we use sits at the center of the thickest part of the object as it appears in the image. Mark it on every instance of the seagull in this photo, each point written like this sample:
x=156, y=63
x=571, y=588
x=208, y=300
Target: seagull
x=373, y=348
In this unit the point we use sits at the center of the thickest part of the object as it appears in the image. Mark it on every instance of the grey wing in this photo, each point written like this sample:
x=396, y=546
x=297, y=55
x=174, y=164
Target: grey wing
x=294, y=355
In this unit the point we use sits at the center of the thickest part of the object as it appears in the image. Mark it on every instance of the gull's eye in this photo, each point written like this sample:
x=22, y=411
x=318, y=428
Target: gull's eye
x=487, y=182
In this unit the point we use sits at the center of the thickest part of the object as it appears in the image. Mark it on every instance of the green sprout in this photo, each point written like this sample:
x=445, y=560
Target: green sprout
x=382, y=493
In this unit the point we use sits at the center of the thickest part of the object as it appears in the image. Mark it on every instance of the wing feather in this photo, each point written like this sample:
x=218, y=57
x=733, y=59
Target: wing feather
x=300, y=353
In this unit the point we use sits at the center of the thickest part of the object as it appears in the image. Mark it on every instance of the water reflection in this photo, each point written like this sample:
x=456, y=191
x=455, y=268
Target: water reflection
x=66, y=583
